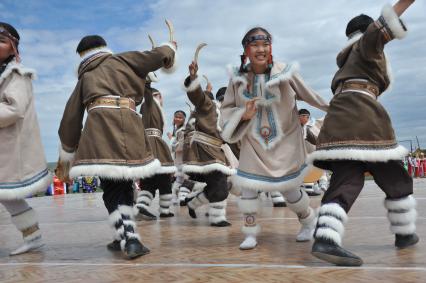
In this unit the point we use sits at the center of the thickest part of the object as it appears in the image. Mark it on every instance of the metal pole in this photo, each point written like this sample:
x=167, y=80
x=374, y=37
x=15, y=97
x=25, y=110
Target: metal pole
x=411, y=144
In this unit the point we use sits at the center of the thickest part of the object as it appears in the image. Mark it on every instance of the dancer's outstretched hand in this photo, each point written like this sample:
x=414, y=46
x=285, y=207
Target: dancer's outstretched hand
x=209, y=87
x=193, y=69
x=62, y=171
x=251, y=109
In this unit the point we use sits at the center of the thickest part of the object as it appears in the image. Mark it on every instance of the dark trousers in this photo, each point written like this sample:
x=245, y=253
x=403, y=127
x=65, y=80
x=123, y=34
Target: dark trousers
x=117, y=192
x=188, y=184
x=162, y=182
x=217, y=187
x=347, y=181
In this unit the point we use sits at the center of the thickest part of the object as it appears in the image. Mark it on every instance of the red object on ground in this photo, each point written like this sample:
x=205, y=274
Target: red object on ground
x=58, y=186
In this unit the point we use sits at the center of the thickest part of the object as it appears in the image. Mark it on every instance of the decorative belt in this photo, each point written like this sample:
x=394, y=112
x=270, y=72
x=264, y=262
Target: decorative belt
x=153, y=132
x=111, y=101
x=361, y=86
x=200, y=137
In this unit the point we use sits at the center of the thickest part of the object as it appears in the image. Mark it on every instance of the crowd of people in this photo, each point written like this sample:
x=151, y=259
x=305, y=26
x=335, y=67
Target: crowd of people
x=415, y=164
x=250, y=138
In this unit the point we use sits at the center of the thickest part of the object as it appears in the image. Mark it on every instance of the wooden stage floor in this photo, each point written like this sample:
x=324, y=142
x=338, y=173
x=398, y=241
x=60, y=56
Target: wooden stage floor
x=75, y=231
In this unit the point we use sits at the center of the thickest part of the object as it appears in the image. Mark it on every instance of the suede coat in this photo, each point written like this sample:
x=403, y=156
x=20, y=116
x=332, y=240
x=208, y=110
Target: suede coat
x=153, y=118
x=112, y=144
x=200, y=157
x=357, y=126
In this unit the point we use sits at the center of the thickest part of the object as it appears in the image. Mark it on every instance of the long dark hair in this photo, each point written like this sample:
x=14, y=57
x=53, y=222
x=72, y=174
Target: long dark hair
x=245, y=43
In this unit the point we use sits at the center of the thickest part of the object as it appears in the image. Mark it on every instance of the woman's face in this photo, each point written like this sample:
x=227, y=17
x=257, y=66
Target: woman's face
x=259, y=50
x=178, y=119
x=6, y=48
x=303, y=118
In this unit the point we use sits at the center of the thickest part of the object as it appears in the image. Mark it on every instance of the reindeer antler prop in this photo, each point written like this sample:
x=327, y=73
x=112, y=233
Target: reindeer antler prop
x=153, y=44
x=171, y=30
x=152, y=77
x=197, y=51
x=206, y=78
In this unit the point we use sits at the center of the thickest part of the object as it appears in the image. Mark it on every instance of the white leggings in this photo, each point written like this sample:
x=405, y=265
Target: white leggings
x=15, y=207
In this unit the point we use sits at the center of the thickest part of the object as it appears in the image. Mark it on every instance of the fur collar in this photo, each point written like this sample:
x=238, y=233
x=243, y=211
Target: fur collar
x=91, y=56
x=353, y=38
x=95, y=51
x=19, y=68
x=280, y=72
x=216, y=104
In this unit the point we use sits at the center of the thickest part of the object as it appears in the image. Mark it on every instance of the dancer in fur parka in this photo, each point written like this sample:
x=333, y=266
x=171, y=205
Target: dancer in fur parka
x=357, y=136
x=203, y=158
x=113, y=142
x=182, y=185
x=23, y=168
x=153, y=120
x=260, y=111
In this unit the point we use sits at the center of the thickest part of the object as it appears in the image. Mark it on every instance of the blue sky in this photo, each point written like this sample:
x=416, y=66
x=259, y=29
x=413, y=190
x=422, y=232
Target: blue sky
x=90, y=16
x=308, y=31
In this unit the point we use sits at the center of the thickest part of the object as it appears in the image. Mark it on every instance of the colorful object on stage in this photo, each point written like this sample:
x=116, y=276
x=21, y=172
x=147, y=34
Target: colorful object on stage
x=89, y=184
x=59, y=187
x=313, y=176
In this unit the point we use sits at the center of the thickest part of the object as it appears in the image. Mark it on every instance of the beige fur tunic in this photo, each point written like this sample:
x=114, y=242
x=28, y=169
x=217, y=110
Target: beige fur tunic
x=272, y=156
x=23, y=168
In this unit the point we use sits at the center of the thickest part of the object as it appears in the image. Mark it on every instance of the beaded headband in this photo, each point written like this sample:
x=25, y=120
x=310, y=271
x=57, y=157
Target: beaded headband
x=253, y=38
x=6, y=33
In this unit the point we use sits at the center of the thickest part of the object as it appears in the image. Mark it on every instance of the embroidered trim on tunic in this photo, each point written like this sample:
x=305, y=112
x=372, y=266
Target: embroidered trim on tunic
x=153, y=132
x=204, y=163
x=112, y=101
x=253, y=94
x=200, y=137
x=266, y=134
x=28, y=182
x=359, y=142
x=271, y=179
x=286, y=69
x=115, y=162
x=356, y=146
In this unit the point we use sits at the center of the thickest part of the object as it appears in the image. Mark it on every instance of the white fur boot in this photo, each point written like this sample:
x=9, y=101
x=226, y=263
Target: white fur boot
x=249, y=208
x=27, y=223
x=306, y=215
